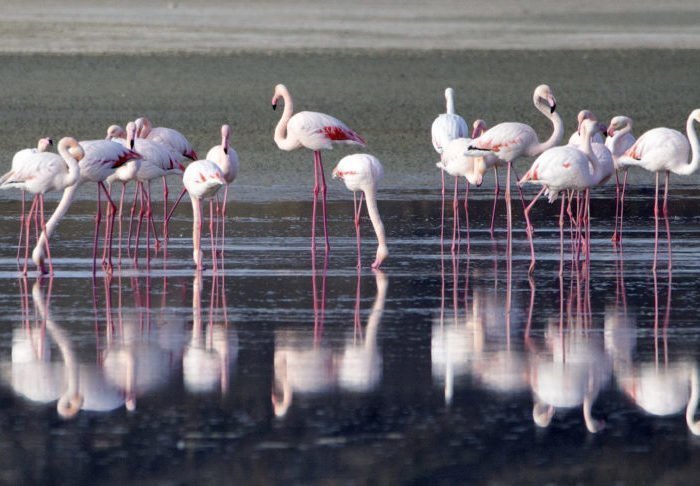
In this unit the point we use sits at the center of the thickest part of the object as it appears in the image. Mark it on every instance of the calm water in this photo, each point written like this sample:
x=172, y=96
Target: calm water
x=281, y=368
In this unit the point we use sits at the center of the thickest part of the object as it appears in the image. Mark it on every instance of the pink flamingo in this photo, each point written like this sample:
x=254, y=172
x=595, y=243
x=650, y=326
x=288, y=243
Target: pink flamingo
x=622, y=144
x=43, y=172
x=102, y=158
x=664, y=150
x=315, y=131
x=510, y=140
x=457, y=164
x=226, y=158
x=172, y=140
x=559, y=169
x=363, y=172
x=576, y=137
x=18, y=161
x=446, y=127
x=202, y=180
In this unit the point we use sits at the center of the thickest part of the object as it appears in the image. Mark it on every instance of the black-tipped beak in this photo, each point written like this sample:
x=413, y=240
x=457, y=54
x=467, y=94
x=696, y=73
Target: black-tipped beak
x=131, y=144
x=274, y=106
x=226, y=150
x=51, y=141
x=553, y=108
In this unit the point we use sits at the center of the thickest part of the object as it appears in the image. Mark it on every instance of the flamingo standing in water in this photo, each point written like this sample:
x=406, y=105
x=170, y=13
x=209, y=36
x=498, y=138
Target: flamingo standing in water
x=457, y=164
x=663, y=150
x=559, y=169
x=43, y=172
x=227, y=159
x=621, y=145
x=18, y=160
x=101, y=159
x=174, y=141
x=315, y=131
x=446, y=127
x=202, y=180
x=362, y=172
x=509, y=141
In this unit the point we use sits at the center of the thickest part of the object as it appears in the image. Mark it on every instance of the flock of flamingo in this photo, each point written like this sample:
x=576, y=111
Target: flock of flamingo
x=142, y=153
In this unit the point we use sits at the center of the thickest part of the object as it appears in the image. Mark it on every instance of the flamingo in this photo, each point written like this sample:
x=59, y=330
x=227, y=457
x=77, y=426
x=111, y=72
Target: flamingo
x=315, y=131
x=576, y=138
x=202, y=180
x=446, y=127
x=173, y=141
x=227, y=159
x=457, y=164
x=626, y=140
x=509, y=141
x=43, y=172
x=362, y=172
x=101, y=159
x=559, y=169
x=662, y=150
x=18, y=160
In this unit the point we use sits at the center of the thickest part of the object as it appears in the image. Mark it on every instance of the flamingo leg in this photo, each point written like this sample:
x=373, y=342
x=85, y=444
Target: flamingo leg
x=323, y=194
x=142, y=213
x=496, y=192
x=212, y=237
x=530, y=231
x=121, y=207
x=165, y=212
x=509, y=208
x=442, y=211
x=668, y=224
x=172, y=210
x=358, y=209
x=466, y=213
x=149, y=221
x=561, y=236
x=617, y=207
x=313, y=208
x=112, y=210
x=223, y=222
x=131, y=217
x=196, y=232
x=43, y=228
x=98, y=219
x=21, y=227
x=622, y=207
x=106, y=238
x=656, y=222
x=455, y=217
x=27, y=227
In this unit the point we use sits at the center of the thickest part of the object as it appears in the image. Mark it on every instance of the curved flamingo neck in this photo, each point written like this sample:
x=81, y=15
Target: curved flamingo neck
x=281, y=136
x=224, y=161
x=617, y=136
x=73, y=167
x=688, y=169
x=587, y=149
x=371, y=200
x=52, y=223
x=449, y=101
x=557, y=132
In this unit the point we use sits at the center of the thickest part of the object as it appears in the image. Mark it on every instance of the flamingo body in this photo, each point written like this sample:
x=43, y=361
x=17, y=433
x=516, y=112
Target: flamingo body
x=658, y=149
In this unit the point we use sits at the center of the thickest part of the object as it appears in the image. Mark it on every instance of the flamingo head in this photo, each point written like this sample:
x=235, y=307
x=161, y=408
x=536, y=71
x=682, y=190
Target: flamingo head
x=382, y=254
x=279, y=90
x=618, y=123
x=695, y=115
x=478, y=127
x=143, y=127
x=225, y=135
x=590, y=127
x=476, y=175
x=44, y=144
x=72, y=146
x=115, y=131
x=69, y=405
x=584, y=115
x=543, y=96
x=130, y=134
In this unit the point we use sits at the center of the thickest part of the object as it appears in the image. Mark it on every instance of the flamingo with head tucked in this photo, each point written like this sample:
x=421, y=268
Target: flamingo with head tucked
x=622, y=144
x=509, y=141
x=446, y=127
x=18, y=160
x=664, y=150
x=315, y=131
x=362, y=172
x=43, y=172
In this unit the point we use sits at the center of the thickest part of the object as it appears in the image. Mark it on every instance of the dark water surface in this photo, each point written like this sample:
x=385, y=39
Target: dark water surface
x=441, y=368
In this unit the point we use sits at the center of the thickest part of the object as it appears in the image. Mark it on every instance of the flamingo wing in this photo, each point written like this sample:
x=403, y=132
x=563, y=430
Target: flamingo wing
x=447, y=127
x=102, y=157
x=318, y=131
x=173, y=139
x=506, y=140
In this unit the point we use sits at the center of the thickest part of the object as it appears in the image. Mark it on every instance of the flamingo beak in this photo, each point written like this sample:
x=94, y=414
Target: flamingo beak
x=611, y=131
x=226, y=150
x=50, y=140
x=274, y=106
x=552, y=103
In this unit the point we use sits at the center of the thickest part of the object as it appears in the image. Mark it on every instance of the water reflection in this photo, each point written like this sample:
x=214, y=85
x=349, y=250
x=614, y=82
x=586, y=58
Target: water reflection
x=307, y=363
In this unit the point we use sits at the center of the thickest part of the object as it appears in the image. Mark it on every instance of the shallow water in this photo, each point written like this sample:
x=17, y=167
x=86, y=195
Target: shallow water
x=279, y=368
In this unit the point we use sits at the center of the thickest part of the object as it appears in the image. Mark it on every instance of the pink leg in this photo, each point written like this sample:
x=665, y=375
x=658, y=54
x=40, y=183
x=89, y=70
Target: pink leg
x=142, y=213
x=98, y=219
x=656, y=222
x=617, y=207
x=197, y=232
x=561, y=235
x=520, y=189
x=622, y=207
x=455, y=217
x=106, y=238
x=466, y=213
x=121, y=207
x=442, y=211
x=21, y=228
x=530, y=230
x=358, y=209
x=165, y=212
x=496, y=192
x=668, y=224
x=211, y=235
x=172, y=210
x=313, y=208
x=28, y=223
x=43, y=228
x=110, y=222
x=223, y=222
x=149, y=222
x=323, y=194
x=137, y=191
x=509, y=208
